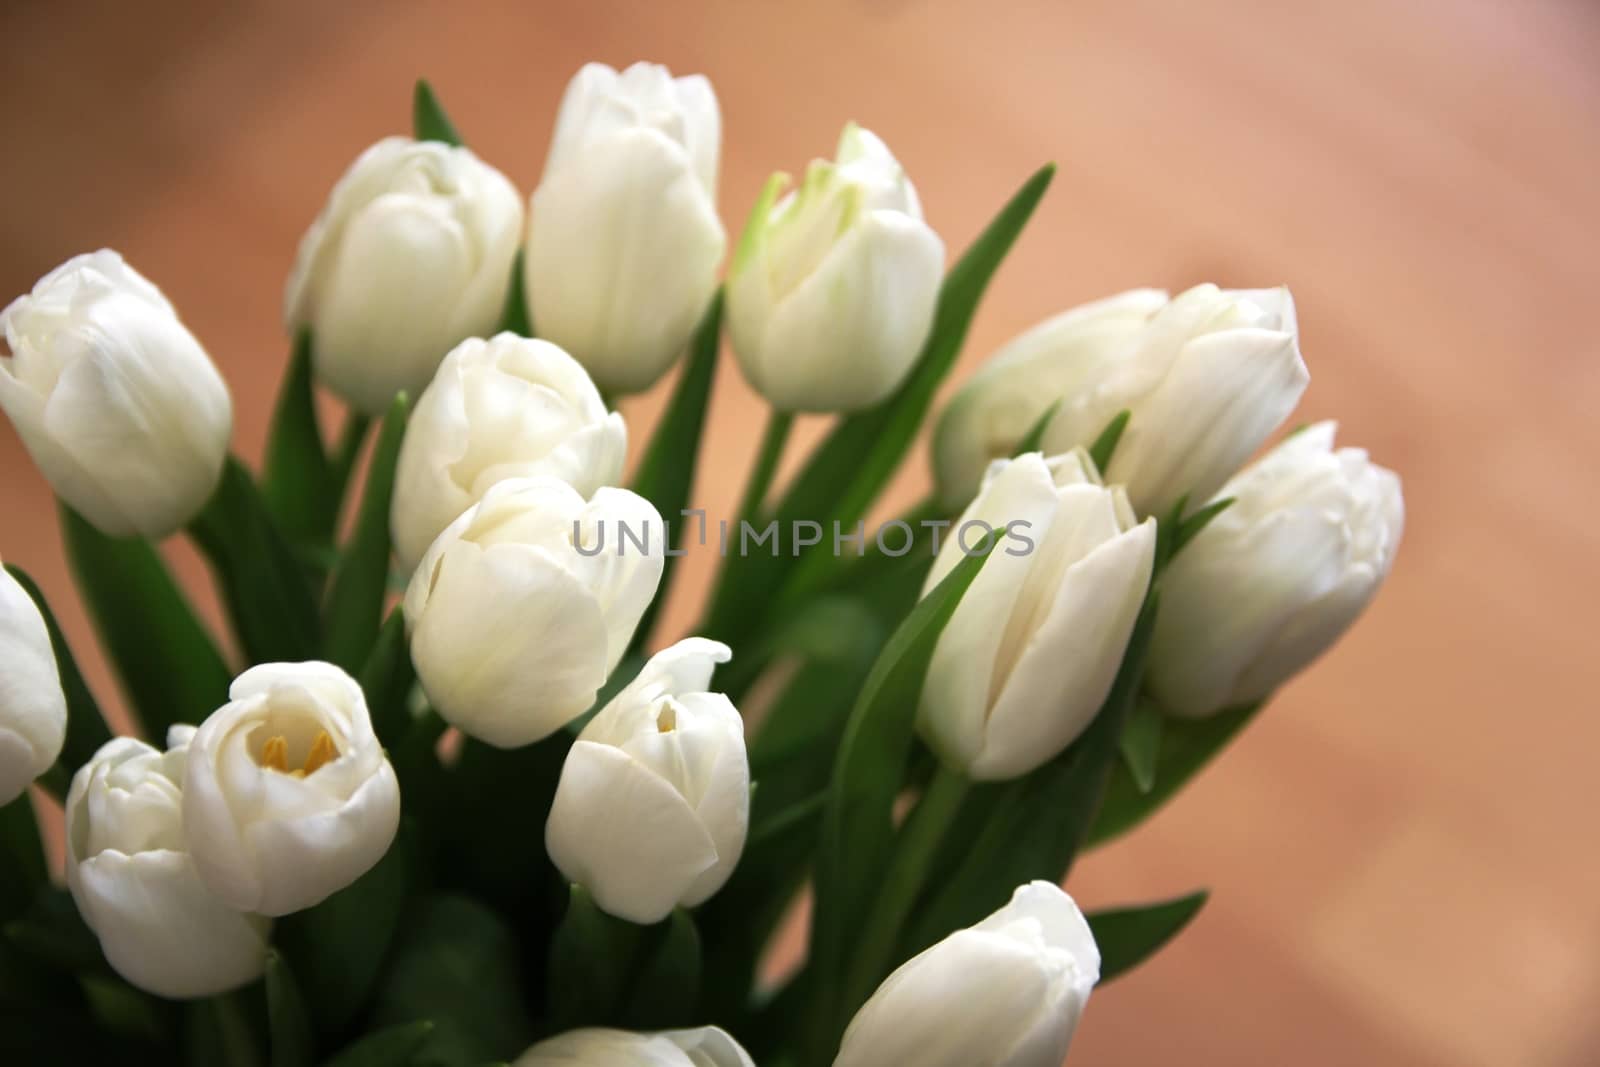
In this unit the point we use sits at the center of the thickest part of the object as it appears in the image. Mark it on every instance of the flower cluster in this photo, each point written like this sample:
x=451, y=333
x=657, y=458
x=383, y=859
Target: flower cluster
x=479, y=820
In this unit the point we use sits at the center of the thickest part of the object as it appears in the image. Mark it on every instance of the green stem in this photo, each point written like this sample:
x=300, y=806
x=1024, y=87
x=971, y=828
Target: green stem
x=779, y=423
x=731, y=612
x=343, y=460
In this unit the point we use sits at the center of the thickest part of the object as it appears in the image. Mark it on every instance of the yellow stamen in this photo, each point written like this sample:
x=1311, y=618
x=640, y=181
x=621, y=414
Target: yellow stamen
x=322, y=751
x=275, y=754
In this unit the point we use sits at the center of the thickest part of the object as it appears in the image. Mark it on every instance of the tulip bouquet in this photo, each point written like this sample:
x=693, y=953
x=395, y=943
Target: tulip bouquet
x=443, y=794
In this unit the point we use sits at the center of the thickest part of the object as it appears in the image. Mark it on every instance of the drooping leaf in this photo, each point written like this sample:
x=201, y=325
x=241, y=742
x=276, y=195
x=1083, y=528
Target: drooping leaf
x=86, y=726
x=666, y=472
x=1128, y=936
x=1187, y=745
x=395, y=1046
x=297, y=483
x=288, y=1029
x=1141, y=744
x=169, y=668
x=428, y=119
x=359, y=586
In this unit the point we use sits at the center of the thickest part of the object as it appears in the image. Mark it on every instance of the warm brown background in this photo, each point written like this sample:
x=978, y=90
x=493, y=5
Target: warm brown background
x=1404, y=850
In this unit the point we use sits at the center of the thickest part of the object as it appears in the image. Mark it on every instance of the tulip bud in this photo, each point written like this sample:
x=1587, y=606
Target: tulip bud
x=33, y=709
x=136, y=886
x=526, y=602
x=1211, y=375
x=623, y=235
x=1029, y=655
x=114, y=398
x=705, y=1047
x=654, y=798
x=832, y=290
x=411, y=255
x=1005, y=993
x=288, y=796
x=504, y=408
x=1274, y=579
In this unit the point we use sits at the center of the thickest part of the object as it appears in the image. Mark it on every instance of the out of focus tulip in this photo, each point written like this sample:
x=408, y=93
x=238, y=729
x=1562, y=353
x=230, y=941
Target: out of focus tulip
x=654, y=798
x=623, y=235
x=33, y=709
x=135, y=884
x=288, y=796
x=832, y=290
x=705, y=1047
x=1275, y=579
x=1029, y=655
x=526, y=602
x=411, y=254
x=502, y=408
x=1005, y=993
x=114, y=398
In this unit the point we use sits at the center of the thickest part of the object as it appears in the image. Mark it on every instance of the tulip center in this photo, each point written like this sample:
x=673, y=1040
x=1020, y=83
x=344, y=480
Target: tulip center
x=667, y=718
x=275, y=755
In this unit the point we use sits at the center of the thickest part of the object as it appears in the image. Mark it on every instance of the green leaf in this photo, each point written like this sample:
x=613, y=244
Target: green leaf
x=51, y=931
x=396, y=1046
x=515, y=317
x=297, y=483
x=263, y=585
x=1141, y=744
x=1129, y=936
x=1106, y=444
x=338, y=947
x=856, y=834
x=387, y=677
x=1191, y=525
x=220, y=1031
x=428, y=119
x=456, y=964
x=86, y=726
x=22, y=871
x=359, y=585
x=666, y=472
x=488, y=782
x=850, y=468
x=170, y=670
x=1033, y=440
x=606, y=971
x=289, y=1031
x=666, y=983
x=1187, y=745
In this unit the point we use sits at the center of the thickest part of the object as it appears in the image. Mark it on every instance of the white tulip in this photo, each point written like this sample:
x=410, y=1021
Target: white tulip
x=411, y=254
x=705, y=1047
x=135, y=883
x=1276, y=578
x=503, y=408
x=525, y=603
x=1005, y=993
x=623, y=235
x=33, y=709
x=1209, y=377
x=1029, y=655
x=654, y=799
x=989, y=416
x=832, y=290
x=114, y=398
x=288, y=796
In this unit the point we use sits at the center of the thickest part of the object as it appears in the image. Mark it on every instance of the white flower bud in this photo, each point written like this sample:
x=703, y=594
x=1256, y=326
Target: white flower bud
x=705, y=1047
x=525, y=603
x=623, y=235
x=1005, y=993
x=1276, y=578
x=288, y=796
x=504, y=408
x=114, y=398
x=1209, y=377
x=135, y=884
x=1029, y=655
x=832, y=290
x=654, y=799
x=33, y=709
x=411, y=255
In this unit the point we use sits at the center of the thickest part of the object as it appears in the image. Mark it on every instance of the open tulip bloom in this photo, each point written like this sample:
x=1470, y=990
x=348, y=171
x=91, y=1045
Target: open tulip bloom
x=446, y=792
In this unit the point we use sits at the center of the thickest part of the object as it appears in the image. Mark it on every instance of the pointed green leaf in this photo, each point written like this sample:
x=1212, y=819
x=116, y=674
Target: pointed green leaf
x=396, y=1046
x=1128, y=936
x=1187, y=745
x=1033, y=440
x=169, y=668
x=1141, y=744
x=86, y=726
x=359, y=585
x=428, y=119
x=288, y=1029
x=666, y=472
x=387, y=678
x=1106, y=444
x=515, y=317
x=297, y=483
x=1191, y=525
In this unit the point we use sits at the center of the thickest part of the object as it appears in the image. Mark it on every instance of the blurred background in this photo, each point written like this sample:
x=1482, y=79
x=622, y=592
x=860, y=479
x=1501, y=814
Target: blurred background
x=1403, y=849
